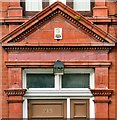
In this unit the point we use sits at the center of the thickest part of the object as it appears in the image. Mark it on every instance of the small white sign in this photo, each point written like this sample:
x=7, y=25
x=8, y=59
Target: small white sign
x=57, y=33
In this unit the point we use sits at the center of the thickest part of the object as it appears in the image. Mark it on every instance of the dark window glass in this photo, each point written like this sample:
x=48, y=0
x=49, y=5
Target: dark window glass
x=75, y=80
x=45, y=3
x=69, y=3
x=40, y=81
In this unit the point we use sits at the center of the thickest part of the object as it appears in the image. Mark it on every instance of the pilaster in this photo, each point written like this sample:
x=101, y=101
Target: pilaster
x=102, y=101
x=15, y=101
x=100, y=10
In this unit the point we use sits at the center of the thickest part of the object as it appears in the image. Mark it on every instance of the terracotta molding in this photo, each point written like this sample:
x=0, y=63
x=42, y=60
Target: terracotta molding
x=51, y=63
x=101, y=92
x=15, y=92
x=103, y=19
x=15, y=101
x=69, y=18
x=13, y=20
x=47, y=14
x=102, y=101
x=74, y=46
x=92, y=19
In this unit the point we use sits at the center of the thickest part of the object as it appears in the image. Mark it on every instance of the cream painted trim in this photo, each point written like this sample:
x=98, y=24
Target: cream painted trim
x=91, y=107
x=58, y=78
x=68, y=107
x=59, y=93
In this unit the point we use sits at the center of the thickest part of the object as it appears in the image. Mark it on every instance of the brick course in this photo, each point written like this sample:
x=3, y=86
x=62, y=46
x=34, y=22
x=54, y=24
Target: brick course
x=11, y=75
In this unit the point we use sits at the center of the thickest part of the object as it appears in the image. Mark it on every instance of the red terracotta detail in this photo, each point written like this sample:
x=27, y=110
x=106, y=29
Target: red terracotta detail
x=67, y=13
x=51, y=63
x=102, y=101
x=100, y=11
x=14, y=12
x=15, y=101
x=93, y=48
x=15, y=92
x=56, y=46
x=101, y=92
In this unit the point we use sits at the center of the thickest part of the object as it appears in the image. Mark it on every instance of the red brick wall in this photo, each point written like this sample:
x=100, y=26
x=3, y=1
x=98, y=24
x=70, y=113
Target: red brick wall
x=116, y=82
x=4, y=85
x=0, y=81
x=112, y=82
x=89, y=55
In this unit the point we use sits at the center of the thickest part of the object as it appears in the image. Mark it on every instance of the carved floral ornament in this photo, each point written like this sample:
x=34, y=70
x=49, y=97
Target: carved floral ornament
x=15, y=92
x=58, y=48
x=101, y=92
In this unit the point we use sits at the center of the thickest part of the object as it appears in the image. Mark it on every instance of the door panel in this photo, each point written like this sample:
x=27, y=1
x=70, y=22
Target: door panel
x=47, y=109
x=42, y=109
x=79, y=108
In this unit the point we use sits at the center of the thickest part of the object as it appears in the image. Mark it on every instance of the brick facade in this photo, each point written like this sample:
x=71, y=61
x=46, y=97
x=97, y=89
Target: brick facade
x=88, y=42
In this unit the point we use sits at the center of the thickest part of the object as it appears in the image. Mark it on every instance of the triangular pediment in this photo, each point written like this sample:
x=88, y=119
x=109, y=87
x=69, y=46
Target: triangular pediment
x=40, y=28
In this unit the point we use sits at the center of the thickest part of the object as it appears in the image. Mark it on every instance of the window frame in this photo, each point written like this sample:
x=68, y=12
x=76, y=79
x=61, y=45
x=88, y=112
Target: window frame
x=58, y=94
x=70, y=4
x=58, y=78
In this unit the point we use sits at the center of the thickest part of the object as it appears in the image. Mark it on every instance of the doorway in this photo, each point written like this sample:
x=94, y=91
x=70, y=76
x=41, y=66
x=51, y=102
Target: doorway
x=58, y=109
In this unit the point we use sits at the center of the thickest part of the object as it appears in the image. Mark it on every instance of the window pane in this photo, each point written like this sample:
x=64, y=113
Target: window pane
x=82, y=5
x=40, y=81
x=69, y=3
x=76, y=80
x=33, y=5
x=45, y=3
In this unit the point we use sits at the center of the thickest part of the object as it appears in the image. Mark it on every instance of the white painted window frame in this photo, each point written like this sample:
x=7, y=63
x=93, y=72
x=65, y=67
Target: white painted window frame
x=58, y=92
x=78, y=5
x=81, y=5
x=33, y=5
x=58, y=78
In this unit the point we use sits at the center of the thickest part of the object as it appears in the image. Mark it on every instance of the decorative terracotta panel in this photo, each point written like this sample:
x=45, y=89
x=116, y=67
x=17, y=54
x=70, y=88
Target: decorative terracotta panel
x=15, y=92
x=101, y=92
x=80, y=109
x=47, y=109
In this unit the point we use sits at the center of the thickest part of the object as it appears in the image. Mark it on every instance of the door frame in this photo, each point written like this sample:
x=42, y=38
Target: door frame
x=91, y=104
x=57, y=92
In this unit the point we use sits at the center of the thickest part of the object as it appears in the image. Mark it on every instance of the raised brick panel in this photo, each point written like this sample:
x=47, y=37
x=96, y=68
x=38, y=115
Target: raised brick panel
x=14, y=12
x=113, y=30
x=3, y=8
x=101, y=110
x=112, y=7
x=112, y=82
x=4, y=106
x=4, y=5
x=15, y=3
x=15, y=110
x=101, y=77
x=4, y=85
x=55, y=55
x=100, y=11
x=99, y=2
x=15, y=77
x=4, y=29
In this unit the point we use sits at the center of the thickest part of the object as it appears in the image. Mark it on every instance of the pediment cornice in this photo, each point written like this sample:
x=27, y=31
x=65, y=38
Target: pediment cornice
x=49, y=13
x=55, y=48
